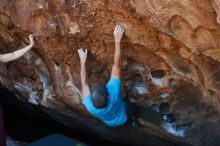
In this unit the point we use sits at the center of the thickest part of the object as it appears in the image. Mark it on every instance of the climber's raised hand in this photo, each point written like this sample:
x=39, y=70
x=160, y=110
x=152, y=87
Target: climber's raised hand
x=118, y=33
x=31, y=39
x=82, y=55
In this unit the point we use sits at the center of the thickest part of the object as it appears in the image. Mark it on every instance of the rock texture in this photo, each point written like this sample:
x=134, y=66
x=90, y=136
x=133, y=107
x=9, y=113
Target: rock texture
x=180, y=37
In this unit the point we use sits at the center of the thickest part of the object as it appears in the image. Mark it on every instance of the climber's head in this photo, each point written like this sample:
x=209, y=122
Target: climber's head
x=99, y=95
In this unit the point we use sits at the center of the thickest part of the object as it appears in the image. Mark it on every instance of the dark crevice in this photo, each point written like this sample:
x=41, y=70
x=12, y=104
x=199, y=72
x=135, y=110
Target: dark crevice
x=27, y=122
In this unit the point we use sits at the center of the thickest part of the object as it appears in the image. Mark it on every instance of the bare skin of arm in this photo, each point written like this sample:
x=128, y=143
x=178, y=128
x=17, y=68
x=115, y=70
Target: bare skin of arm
x=85, y=86
x=19, y=53
x=118, y=34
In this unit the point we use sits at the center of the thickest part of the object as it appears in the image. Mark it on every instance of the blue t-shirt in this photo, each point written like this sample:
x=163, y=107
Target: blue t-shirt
x=114, y=114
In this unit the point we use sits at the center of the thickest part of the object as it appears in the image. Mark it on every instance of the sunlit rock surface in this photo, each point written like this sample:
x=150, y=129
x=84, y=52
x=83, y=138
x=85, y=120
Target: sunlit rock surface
x=179, y=37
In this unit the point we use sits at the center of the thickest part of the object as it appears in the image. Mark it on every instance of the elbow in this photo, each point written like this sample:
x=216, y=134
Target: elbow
x=117, y=64
x=3, y=60
x=7, y=57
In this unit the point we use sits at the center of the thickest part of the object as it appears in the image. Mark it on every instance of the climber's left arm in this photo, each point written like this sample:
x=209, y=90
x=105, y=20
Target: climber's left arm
x=84, y=83
x=17, y=54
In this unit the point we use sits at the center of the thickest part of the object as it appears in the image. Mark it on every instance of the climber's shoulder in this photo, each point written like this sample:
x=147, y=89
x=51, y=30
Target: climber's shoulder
x=114, y=86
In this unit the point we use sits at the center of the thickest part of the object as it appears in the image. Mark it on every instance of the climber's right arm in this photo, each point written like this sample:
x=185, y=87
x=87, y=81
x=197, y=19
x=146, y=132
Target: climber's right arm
x=118, y=34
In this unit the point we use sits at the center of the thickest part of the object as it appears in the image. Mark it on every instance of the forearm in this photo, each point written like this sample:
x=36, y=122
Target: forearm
x=85, y=87
x=117, y=55
x=21, y=52
x=83, y=74
x=15, y=55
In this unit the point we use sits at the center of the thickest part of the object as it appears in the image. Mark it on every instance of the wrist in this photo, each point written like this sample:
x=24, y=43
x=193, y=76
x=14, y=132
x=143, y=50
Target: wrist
x=31, y=44
x=117, y=42
x=82, y=62
x=117, y=46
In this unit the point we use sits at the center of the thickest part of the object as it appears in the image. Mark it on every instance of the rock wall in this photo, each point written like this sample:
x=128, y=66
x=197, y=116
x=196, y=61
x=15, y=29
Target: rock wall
x=178, y=37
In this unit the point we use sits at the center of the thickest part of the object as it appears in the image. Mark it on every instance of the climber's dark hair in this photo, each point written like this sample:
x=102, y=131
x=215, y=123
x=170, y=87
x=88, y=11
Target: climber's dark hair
x=99, y=95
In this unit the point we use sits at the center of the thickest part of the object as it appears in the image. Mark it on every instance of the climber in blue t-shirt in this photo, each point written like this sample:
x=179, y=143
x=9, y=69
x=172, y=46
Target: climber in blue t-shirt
x=105, y=101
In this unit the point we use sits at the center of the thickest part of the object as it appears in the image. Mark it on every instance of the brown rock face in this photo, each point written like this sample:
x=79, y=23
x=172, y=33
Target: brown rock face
x=179, y=37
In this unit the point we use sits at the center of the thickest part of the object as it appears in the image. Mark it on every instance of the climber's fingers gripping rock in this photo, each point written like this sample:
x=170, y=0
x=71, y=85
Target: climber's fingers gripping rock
x=82, y=55
x=118, y=33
